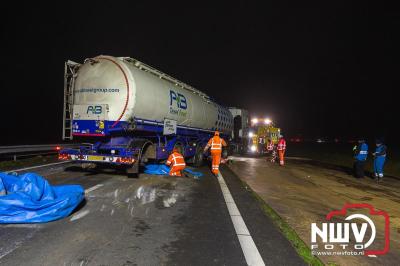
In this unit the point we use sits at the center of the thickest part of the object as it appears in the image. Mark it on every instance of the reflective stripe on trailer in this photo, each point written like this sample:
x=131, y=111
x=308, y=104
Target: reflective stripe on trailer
x=103, y=159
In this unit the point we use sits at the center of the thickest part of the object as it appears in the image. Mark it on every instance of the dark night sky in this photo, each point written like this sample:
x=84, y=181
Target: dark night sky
x=322, y=69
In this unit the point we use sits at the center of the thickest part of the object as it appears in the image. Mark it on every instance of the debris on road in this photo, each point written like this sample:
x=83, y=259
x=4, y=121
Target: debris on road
x=161, y=169
x=29, y=198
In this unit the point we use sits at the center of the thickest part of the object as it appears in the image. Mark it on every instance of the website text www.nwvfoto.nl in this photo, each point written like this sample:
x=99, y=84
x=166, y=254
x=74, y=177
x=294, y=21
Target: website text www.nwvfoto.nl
x=337, y=253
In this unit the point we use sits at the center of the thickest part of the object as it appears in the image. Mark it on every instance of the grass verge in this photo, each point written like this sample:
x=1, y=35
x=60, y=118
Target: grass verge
x=301, y=248
x=342, y=155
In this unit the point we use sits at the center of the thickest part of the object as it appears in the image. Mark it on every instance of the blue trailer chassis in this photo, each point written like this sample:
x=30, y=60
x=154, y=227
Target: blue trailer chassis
x=131, y=144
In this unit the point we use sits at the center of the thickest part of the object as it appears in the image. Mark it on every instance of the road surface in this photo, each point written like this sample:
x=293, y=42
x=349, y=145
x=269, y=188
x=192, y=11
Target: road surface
x=151, y=220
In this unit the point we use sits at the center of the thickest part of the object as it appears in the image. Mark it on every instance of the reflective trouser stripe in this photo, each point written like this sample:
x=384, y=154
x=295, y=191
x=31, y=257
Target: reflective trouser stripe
x=179, y=164
x=216, y=159
x=176, y=170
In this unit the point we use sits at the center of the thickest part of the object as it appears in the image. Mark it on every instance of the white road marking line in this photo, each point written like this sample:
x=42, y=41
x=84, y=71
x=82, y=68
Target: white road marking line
x=93, y=188
x=247, y=244
x=372, y=256
x=38, y=166
x=11, y=247
x=79, y=215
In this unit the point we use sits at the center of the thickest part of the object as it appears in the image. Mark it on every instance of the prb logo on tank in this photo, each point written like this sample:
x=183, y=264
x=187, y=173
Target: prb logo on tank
x=177, y=103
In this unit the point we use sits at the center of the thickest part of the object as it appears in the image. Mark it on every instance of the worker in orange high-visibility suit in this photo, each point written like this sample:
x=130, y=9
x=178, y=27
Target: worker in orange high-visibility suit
x=177, y=163
x=281, y=150
x=215, y=143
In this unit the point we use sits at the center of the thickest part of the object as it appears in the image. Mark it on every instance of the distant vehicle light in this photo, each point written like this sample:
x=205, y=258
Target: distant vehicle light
x=251, y=134
x=253, y=148
x=112, y=151
x=267, y=121
x=58, y=148
x=254, y=120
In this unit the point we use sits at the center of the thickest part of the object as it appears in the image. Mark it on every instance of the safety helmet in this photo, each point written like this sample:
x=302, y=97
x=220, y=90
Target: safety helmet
x=216, y=133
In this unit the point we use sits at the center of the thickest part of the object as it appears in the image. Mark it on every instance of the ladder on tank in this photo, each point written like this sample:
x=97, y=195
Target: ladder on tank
x=69, y=82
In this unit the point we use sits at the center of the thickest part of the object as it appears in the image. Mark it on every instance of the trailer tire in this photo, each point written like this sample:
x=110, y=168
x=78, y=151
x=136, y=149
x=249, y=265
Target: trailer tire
x=133, y=171
x=147, y=153
x=198, y=159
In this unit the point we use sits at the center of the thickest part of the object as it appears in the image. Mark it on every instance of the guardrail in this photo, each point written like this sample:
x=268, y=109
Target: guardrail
x=31, y=150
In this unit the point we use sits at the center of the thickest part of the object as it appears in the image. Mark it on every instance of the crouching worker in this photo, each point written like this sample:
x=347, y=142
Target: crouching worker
x=176, y=162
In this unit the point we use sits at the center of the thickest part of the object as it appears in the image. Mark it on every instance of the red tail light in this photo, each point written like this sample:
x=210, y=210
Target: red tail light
x=64, y=157
x=125, y=160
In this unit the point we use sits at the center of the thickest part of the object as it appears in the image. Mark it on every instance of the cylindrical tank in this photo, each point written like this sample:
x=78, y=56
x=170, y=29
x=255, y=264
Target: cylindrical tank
x=131, y=90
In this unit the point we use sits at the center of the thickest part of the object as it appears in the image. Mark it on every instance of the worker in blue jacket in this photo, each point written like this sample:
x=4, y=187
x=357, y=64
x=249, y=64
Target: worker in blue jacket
x=379, y=161
x=360, y=156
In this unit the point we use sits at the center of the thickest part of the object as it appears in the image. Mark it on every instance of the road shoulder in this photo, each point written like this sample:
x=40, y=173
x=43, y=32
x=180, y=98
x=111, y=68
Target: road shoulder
x=302, y=193
x=274, y=248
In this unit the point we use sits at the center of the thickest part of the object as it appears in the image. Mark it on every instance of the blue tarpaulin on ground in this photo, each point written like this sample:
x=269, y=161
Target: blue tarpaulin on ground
x=29, y=198
x=162, y=169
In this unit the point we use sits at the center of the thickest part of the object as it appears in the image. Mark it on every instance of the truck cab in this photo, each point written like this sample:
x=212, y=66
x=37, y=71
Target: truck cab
x=260, y=132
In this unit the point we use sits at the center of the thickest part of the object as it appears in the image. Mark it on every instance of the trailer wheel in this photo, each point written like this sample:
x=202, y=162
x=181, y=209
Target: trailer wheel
x=225, y=153
x=198, y=158
x=133, y=171
x=148, y=152
x=145, y=153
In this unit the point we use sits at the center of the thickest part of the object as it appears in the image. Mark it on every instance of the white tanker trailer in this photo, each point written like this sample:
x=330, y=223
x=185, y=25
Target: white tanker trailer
x=137, y=112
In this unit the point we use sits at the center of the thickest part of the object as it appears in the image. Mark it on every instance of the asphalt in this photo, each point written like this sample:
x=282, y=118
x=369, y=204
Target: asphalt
x=151, y=220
